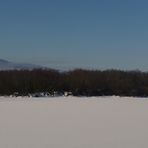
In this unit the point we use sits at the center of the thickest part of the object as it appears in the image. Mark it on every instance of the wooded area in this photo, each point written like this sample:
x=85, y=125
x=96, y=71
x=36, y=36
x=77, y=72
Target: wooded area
x=79, y=82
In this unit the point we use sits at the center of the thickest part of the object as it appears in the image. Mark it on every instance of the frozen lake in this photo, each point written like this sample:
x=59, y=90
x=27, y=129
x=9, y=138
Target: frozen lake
x=70, y=122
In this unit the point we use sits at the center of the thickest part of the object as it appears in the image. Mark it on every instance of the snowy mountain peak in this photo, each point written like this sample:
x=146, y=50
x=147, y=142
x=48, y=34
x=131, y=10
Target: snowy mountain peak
x=3, y=61
x=7, y=65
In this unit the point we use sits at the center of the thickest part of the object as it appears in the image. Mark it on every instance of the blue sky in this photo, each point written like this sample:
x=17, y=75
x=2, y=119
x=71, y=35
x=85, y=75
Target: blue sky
x=65, y=34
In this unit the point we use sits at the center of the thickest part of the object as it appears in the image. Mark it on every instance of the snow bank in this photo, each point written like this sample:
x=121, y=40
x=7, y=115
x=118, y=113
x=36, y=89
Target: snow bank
x=71, y=122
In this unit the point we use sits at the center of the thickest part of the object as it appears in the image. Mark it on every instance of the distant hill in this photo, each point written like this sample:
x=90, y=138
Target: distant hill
x=8, y=65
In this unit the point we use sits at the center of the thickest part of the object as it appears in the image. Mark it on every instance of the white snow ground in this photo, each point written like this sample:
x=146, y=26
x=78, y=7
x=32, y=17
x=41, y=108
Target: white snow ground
x=70, y=122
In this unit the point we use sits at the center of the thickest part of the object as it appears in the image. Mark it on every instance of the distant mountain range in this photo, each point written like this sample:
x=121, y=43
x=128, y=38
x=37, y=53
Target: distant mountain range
x=8, y=65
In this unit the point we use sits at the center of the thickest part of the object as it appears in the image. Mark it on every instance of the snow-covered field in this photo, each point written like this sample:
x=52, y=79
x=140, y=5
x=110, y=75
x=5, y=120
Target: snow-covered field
x=70, y=122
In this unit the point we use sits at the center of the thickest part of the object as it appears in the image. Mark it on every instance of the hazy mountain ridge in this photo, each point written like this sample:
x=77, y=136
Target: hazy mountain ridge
x=8, y=65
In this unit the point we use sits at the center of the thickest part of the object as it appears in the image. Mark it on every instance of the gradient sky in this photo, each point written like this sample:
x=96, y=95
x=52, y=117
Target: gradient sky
x=95, y=34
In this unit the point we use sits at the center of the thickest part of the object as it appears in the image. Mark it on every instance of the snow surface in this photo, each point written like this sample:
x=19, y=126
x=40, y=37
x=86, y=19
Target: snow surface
x=71, y=122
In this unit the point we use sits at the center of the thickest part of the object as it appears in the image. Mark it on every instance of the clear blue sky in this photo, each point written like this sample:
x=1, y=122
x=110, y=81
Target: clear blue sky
x=96, y=34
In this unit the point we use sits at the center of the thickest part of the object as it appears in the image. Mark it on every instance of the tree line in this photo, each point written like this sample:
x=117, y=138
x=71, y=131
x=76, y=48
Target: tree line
x=80, y=82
